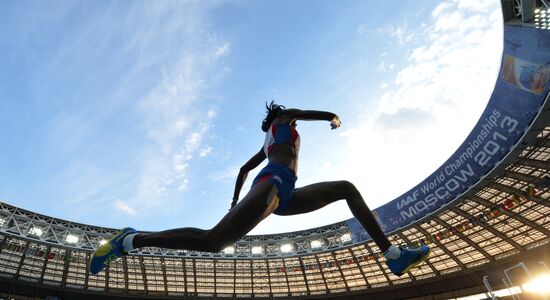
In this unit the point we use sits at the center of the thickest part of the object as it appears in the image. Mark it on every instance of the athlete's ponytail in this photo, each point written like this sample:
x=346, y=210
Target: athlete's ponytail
x=272, y=111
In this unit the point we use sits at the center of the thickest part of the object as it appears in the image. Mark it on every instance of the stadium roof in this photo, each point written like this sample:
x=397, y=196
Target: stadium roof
x=500, y=218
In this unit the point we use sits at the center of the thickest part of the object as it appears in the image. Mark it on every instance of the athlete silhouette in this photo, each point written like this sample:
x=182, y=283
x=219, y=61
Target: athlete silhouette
x=272, y=191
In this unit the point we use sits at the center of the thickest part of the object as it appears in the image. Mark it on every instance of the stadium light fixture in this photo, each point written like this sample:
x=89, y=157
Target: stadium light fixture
x=286, y=248
x=542, y=18
x=2, y=222
x=539, y=285
x=36, y=231
x=229, y=250
x=346, y=237
x=315, y=244
x=102, y=242
x=71, y=239
x=257, y=250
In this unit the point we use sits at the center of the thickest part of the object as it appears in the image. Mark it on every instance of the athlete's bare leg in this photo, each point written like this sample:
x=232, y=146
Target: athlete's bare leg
x=315, y=196
x=242, y=218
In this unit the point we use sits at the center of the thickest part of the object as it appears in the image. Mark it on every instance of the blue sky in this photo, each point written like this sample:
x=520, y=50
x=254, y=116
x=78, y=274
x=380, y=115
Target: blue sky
x=141, y=113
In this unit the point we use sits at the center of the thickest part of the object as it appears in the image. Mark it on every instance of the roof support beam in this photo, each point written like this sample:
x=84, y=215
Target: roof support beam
x=382, y=269
x=512, y=191
x=358, y=263
x=511, y=214
x=303, y=269
x=534, y=163
x=488, y=228
x=337, y=263
x=440, y=245
x=322, y=273
x=466, y=239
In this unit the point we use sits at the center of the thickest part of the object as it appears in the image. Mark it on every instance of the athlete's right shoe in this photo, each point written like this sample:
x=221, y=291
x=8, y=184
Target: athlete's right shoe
x=109, y=251
x=409, y=259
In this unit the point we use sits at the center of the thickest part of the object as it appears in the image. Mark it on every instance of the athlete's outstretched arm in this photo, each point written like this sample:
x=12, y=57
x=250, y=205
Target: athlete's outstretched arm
x=313, y=115
x=243, y=173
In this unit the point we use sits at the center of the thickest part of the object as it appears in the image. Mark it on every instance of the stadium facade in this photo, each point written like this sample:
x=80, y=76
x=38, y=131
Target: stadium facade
x=483, y=211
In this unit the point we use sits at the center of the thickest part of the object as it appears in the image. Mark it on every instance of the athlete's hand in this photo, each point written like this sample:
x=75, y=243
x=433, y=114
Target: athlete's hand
x=335, y=123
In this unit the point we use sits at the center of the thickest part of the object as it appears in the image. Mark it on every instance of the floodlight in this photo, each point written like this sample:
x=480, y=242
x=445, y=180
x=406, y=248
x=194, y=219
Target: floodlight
x=2, y=222
x=36, y=231
x=539, y=285
x=102, y=242
x=229, y=250
x=316, y=244
x=257, y=250
x=71, y=239
x=346, y=237
x=542, y=19
x=286, y=248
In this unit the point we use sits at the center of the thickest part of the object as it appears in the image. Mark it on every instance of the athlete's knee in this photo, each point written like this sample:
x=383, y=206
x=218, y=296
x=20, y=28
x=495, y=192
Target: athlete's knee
x=349, y=189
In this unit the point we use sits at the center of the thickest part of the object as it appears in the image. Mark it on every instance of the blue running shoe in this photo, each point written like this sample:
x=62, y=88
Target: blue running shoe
x=109, y=251
x=409, y=259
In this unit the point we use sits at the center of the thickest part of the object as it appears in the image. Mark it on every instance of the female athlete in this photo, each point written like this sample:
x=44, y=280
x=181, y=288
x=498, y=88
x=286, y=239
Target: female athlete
x=272, y=191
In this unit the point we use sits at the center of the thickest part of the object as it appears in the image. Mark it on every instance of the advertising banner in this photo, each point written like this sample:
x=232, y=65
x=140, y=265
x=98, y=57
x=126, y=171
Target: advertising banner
x=518, y=96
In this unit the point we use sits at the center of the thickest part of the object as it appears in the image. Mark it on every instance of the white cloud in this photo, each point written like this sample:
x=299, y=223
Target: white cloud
x=124, y=208
x=173, y=111
x=134, y=78
x=477, y=6
x=402, y=33
x=419, y=119
x=444, y=6
x=448, y=21
x=434, y=101
x=211, y=113
x=227, y=175
x=205, y=151
x=405, y=117
x=384, y=66
x=223, y=50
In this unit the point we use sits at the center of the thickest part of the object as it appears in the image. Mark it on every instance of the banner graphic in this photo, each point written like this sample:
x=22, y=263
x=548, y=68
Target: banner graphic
x=519, y=94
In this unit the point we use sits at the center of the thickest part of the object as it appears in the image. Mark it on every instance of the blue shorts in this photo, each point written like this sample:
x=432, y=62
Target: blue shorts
x=283, y=178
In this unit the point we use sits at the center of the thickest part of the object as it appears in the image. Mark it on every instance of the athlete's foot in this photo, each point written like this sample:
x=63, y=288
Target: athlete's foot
x=109, y=251
x=409, y=259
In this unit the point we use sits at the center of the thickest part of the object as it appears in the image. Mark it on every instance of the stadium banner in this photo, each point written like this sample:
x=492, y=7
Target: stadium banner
x=519, y=94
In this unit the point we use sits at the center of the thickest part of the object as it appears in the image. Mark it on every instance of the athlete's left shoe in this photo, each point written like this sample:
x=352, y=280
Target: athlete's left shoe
x=109, y=251
x=409, y=259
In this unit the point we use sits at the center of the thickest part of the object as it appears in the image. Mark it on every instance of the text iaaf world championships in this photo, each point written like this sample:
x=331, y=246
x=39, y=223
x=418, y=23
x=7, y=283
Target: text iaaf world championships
x=458, y=172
